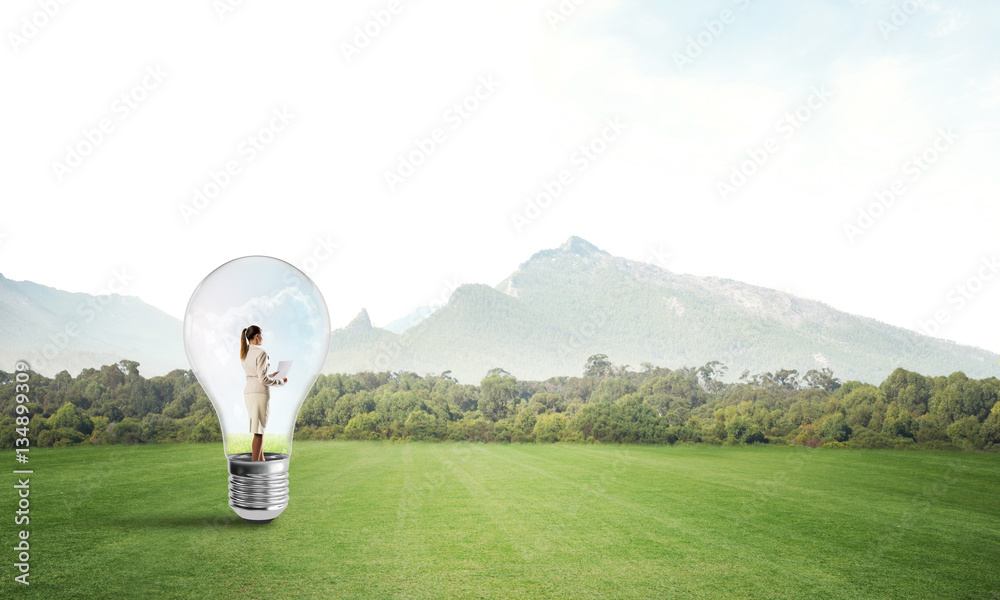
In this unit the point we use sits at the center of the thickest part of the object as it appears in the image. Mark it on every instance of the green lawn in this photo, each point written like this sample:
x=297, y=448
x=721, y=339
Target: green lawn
x=379, y=520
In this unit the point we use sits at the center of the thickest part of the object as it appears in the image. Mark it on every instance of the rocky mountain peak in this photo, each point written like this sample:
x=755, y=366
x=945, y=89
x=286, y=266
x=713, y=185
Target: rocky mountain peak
x=360, y=322
x=578, y=245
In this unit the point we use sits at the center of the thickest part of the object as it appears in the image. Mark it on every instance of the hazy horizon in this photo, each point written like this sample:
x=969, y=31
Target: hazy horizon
x=381, y=322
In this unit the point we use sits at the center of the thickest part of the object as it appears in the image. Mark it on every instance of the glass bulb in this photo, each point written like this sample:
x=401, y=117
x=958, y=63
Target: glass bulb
x=295, y=325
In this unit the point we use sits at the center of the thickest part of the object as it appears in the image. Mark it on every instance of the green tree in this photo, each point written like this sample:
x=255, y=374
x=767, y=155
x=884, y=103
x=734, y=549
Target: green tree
x=133, y=431
x=910, y=390
x=991, y=427
x=743, y=430
x=207, y=430
x=549, y=427
x=597, y=365
x=898, y=422
x=362, y=427
x=822, y=379
x=967, y=433
x=711, y=375
x=67, y=417
x=497, y=396
x=551, y=402
x=420, y=425
x=611, y=389
x=524, y=423
x=834, y=427
x=860, y=401
x=784, y=378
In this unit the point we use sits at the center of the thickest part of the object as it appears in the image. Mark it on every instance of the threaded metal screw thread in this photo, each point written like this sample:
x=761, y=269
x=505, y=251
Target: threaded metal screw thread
x=258, y=490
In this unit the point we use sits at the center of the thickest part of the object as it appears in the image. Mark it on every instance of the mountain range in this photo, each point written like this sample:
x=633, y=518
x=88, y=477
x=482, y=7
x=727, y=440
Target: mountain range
x=55, y=330
x=566, y=304
x=558, y=308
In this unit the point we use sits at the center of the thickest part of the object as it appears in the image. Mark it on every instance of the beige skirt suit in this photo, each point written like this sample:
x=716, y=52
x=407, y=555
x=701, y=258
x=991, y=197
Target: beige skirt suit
x=257, y=391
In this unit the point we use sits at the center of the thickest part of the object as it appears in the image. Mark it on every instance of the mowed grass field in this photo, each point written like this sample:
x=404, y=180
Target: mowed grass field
x=421, y=520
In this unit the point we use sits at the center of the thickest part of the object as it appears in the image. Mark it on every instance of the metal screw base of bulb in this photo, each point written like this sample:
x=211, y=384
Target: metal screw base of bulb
x=258, y=490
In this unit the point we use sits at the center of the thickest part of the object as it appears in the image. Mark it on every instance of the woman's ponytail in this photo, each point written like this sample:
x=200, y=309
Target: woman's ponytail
x=249, y=333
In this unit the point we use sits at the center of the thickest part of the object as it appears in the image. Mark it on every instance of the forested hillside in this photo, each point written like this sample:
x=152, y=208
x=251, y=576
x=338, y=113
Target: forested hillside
x=607, y=404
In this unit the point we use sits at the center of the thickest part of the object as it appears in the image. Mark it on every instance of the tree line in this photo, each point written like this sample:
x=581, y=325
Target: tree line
x=607, y=404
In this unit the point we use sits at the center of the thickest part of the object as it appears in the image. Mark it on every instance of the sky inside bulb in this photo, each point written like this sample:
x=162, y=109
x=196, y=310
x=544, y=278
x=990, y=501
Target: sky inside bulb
x=293, y=317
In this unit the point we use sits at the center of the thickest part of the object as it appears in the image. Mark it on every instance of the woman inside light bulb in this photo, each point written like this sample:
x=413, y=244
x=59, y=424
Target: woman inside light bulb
x=257, y=391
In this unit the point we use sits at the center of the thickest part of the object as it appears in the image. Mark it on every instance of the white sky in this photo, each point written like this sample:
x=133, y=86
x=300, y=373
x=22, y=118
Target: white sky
x=652, y=192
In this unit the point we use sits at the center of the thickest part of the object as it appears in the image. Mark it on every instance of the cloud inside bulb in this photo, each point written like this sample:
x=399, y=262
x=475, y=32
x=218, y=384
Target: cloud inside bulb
x=255, y=311
x=295, y=323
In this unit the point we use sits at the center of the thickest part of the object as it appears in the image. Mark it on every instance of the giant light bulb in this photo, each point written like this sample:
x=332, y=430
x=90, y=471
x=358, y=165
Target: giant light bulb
x=292, y=315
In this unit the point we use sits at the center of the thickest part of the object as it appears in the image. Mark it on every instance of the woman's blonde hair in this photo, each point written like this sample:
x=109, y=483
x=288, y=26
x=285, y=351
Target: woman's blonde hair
x=249, y=333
